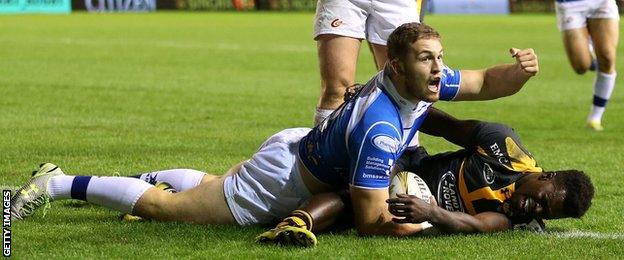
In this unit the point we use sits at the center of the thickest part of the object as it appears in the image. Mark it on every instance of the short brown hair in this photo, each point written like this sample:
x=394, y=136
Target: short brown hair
x=579, y=192
x=404, y=36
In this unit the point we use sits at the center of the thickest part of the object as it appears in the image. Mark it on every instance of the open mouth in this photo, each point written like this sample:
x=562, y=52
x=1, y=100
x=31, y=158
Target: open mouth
x=434, y=85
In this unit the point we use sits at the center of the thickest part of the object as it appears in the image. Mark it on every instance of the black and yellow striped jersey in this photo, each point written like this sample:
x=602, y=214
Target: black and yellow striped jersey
x=480, y=178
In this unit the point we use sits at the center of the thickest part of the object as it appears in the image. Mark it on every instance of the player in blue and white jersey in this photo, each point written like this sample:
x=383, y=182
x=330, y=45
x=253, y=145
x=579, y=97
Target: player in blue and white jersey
x=355, y=149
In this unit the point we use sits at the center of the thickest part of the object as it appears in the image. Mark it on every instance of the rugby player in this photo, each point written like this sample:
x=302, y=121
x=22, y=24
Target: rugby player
x=353, y=149
x=339, y=28
x=493, y=184
x=590, y=28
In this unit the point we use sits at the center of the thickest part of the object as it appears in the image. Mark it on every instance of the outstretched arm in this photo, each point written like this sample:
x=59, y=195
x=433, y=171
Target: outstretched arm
x=414, y=210
x=499, y=81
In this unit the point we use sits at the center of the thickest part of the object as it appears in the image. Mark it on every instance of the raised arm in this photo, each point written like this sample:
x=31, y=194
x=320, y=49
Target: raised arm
x=414, y=210
x=501, y=80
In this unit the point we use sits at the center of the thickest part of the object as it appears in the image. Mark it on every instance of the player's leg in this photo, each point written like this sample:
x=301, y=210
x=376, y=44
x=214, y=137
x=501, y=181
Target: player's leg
x=576, y=45
x=204, y=204
x=315, y=215
x=572, y=23
x=50, y=183
x=337, y=62
x=381, y=54
x=339, y=27
x=122, y=194
x=605, y=35
x=176, y=180
x=252, y=192
x=179, y=179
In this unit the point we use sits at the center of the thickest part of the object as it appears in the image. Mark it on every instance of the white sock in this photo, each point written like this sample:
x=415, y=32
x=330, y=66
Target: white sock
x=321, y=114
x=59, y=187
x=179, y=179
x=603, y=87
x=117, y=193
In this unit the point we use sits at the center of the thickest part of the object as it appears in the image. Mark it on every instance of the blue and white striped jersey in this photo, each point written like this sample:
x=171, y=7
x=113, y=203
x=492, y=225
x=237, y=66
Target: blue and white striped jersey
x=360, y=141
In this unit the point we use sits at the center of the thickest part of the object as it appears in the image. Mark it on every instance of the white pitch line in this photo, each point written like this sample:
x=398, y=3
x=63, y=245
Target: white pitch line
x=585, y=234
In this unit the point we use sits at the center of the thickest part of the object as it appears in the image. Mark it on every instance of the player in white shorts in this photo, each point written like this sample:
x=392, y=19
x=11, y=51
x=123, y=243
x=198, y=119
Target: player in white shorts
x=587, y=25
x=339, y=28
x=354, y=148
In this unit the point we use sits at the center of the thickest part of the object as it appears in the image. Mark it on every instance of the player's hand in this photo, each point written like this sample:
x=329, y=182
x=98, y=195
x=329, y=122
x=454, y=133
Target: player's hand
x=527, y=59
x=410, y=209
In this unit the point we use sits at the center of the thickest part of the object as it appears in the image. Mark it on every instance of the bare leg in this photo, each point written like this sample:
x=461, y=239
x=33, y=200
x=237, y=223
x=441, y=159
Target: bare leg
x=325, y=209
x=204, y=204
x=337, y=61
x=317, y=214
x=576, y=44
x=605, y=34
x=381, y=55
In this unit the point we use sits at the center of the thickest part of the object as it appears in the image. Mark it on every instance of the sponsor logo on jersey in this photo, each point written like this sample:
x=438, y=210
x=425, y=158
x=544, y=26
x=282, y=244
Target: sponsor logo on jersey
x=496, y=151
x=386, y=143
x=336, y=22
x=448, y=196
x=380, y=169
x=488, y=173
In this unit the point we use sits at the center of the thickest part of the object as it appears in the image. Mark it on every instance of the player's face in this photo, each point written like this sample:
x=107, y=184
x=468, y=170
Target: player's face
x=422, y=70
x=537, y=197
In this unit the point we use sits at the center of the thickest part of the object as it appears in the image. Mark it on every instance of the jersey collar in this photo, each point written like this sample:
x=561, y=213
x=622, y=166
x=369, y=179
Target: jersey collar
x=405, y=106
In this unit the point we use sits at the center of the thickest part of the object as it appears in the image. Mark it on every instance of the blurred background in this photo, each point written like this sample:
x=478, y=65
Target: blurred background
x=433, y=6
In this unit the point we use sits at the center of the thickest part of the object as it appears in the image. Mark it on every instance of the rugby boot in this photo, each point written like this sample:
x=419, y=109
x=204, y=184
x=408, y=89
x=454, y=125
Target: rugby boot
x=34, y=193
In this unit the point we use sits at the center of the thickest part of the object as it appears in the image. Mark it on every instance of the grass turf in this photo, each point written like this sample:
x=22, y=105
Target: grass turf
x=130, y=93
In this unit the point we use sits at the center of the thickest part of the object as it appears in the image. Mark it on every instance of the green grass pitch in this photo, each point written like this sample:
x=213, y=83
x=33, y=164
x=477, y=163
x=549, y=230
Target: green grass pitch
x=100, y=94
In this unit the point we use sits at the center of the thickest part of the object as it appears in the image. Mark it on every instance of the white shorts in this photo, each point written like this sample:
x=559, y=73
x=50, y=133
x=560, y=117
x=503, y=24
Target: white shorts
x=373, y=20
x=268, y=186
x=574, y=14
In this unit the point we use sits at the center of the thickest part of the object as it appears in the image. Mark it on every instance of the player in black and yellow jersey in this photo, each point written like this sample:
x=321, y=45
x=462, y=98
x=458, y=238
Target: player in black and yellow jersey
x=492, y=184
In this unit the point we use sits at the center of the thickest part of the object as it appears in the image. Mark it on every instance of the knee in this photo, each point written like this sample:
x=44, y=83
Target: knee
x=606, y=63
x=580, y=69
x=155, y=204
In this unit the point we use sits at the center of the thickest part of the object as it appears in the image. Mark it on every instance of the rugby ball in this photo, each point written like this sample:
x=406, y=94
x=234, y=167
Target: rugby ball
x=409, y=183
